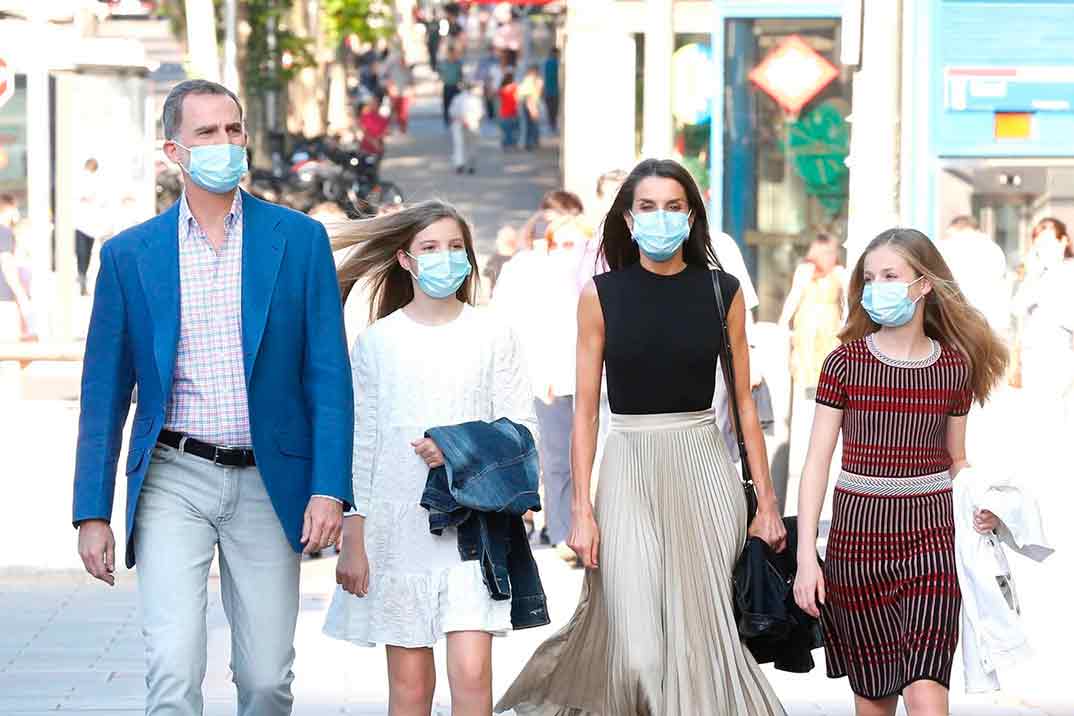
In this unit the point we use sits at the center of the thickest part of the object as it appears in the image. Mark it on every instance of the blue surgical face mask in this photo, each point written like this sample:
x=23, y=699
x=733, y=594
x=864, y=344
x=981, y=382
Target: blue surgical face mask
x=888, y=302
x=441, y=273
x=659, y=234
x=216, y=167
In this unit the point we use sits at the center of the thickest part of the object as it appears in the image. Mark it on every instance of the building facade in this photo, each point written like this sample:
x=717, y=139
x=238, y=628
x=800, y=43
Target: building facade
x=841, y=117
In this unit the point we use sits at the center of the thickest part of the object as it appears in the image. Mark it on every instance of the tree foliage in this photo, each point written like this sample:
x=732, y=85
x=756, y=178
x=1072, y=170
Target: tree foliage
x=264, y=68
x=368, y=19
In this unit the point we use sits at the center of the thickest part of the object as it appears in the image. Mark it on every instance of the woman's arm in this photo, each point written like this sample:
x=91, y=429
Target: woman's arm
x=802, y=275
x=768, y=524
x=818, y=464
x=809, y=583
x=584, y=538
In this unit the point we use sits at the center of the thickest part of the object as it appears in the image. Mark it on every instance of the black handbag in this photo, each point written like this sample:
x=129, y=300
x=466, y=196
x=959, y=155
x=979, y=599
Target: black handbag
x=727, y=361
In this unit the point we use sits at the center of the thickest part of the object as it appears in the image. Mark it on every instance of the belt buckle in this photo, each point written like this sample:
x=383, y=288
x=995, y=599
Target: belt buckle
x=217, y=449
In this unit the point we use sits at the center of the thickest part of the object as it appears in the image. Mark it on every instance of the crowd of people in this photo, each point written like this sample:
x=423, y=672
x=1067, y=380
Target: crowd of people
x=613, y=373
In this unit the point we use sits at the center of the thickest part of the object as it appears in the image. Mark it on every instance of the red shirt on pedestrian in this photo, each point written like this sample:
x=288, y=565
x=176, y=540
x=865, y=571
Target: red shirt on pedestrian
x=509, y=101
x=374, y=127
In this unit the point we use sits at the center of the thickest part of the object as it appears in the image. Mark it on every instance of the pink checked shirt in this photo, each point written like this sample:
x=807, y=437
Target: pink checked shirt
x=208, y=400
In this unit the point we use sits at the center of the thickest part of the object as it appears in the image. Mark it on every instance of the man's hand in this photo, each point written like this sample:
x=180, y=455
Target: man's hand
x=322, y=524
x=97, y=548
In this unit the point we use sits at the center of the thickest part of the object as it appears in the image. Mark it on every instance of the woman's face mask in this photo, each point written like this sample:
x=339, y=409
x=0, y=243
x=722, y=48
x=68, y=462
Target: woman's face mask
x=1048, y=248
x=660, y=233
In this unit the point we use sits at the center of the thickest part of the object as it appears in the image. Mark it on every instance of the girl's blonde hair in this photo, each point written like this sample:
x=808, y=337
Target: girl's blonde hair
x=373, y=245
x=949, y=318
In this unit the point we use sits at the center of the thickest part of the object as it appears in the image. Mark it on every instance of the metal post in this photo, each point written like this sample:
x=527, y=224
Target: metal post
x=875, y=149
x=66, y=197
x=231, y=46
x=39, y=174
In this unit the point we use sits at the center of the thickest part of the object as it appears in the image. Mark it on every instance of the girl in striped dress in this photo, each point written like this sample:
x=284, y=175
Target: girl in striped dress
x=914, y=357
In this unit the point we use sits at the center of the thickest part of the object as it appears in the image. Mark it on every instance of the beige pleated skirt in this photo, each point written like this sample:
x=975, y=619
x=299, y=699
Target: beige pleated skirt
x=654, y=633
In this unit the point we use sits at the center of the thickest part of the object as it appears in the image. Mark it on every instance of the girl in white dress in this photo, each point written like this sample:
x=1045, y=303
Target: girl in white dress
x=429, y=359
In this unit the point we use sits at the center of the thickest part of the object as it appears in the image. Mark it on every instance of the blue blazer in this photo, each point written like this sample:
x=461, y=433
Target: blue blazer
x=298, y=376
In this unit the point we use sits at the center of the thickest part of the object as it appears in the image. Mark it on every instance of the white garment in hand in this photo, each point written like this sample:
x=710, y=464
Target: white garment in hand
x=992, y=631
x=408, y=378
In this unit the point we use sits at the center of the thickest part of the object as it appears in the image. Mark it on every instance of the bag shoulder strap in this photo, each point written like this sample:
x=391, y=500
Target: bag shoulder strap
x=726, y=360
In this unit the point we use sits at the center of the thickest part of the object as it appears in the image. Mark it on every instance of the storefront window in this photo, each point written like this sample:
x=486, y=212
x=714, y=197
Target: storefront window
x=785, y=178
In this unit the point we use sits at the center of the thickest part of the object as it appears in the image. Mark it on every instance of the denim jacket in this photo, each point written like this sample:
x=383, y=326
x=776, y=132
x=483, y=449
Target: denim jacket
x=488, y=481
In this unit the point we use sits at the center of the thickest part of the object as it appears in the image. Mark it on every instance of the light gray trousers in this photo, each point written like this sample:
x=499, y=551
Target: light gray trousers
x=555, y=421
x=187, y=508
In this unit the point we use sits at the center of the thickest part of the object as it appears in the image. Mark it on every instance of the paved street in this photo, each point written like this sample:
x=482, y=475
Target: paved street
x=73, y=646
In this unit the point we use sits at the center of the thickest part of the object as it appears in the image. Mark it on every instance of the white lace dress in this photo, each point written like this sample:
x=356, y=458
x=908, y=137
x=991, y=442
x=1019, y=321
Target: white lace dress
x=409, y=377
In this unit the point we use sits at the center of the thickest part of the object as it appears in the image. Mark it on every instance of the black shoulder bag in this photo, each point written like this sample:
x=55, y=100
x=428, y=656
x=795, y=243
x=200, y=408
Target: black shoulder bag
x=727, y=361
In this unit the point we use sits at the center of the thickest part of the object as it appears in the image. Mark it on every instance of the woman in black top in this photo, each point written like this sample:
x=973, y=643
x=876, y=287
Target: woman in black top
x=654, y=632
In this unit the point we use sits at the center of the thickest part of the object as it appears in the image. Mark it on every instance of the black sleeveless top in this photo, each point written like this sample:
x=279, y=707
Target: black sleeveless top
x=662, y=338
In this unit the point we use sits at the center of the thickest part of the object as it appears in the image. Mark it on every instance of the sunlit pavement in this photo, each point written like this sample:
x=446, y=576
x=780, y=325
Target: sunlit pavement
x=71, y=645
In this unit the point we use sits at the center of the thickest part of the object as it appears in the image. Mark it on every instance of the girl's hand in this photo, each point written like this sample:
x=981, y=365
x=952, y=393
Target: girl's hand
x=985, y=521
x=768, y=525
x=352, y=567
x=427, y=450
x=585, y=538
x=809, y=586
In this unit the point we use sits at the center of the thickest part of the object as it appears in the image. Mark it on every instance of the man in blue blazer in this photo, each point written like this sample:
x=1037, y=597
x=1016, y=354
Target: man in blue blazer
x=225, y=313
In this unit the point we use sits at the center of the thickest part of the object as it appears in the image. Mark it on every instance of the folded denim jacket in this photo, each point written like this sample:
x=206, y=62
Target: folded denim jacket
x=488, y=481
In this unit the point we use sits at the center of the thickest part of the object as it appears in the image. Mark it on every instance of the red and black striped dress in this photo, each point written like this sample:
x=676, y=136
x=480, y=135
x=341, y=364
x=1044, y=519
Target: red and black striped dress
x=892, y=604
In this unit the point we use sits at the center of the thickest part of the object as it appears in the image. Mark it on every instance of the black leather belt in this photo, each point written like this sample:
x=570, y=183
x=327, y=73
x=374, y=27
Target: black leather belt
x=224, y=455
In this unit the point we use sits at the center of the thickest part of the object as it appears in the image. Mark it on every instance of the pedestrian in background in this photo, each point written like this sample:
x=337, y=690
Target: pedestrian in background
x=91, y=221
x=506, y=246
x=374, y=126
x=451, y=78
x=536, y=295
x=430, y=359
x=467, y=110
x=1044, y=306
x=915, y=356
x=431, y=21
x=813, y=311
x=980, y=268
x=557, y=208
x=508, y=96
x=489, y=73
x=530, y=91
x=590, y=261
x=16, y=312
x=655, y=630
x=399, y=80
x=224, y=312
x=550, y=71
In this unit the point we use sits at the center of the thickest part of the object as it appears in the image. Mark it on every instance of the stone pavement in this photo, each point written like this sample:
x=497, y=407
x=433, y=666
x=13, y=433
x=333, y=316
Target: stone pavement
x=71, y=645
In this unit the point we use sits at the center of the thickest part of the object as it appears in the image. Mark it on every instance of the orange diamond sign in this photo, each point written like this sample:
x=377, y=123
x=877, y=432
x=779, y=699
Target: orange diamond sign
x=793, y=74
